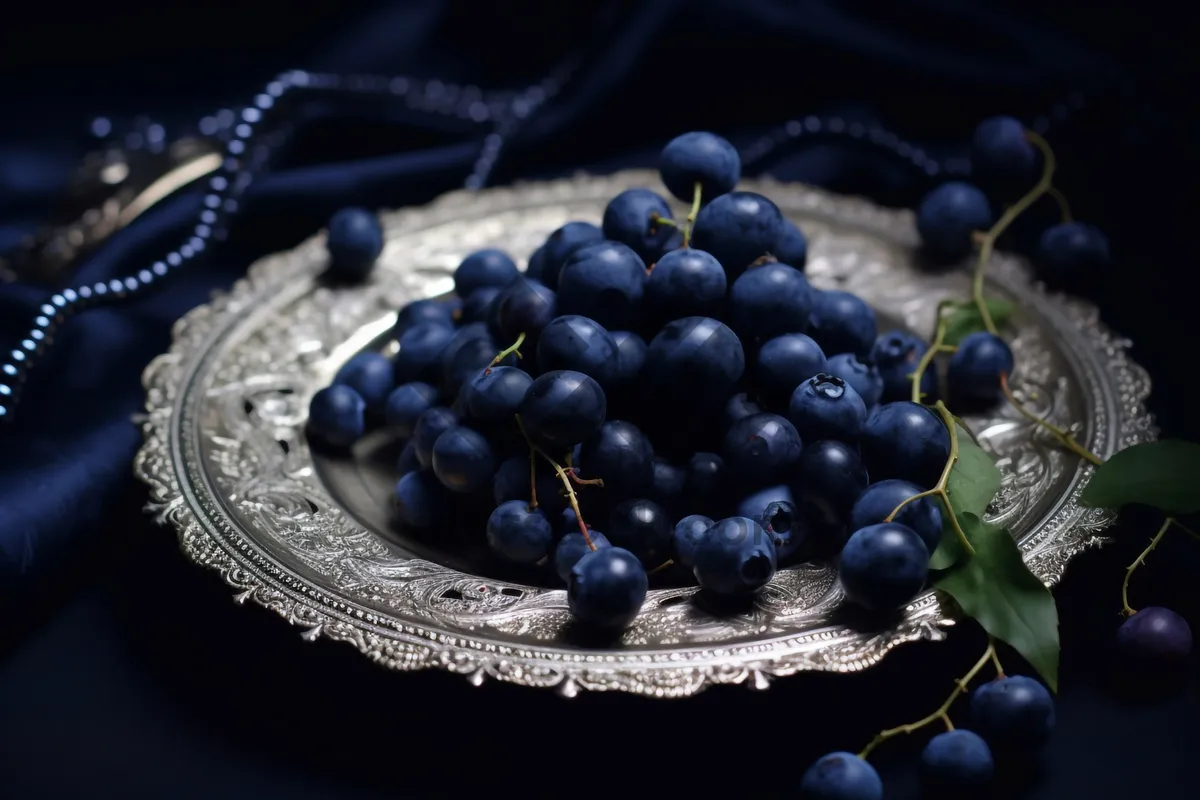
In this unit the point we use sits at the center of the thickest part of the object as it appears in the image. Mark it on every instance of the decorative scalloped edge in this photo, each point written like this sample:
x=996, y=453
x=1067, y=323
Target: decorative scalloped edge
x=413, y=648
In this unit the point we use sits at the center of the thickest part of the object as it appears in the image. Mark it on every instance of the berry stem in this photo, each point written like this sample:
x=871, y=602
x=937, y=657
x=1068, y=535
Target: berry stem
x=566, y=482
x=942, y=714
x=513, y=349
x=692, y=213
x=939, y=335
x=1064, y=208
x=988, y=240
x=657, y=219
x=669, y=562
x=1187, y=530
x=533, y=503
x=939, y=490
x=1064, y=438
x=578, y=481
x=1126, y=609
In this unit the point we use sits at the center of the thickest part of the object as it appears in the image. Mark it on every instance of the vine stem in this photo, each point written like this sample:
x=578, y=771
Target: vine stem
x=1064, y=208
x=939, y=490
x=935, y=347
x=987, y=242
x=513, y=349
x=942, y=714
x=566, y=482
x=1126, y=609
x=1064, y=438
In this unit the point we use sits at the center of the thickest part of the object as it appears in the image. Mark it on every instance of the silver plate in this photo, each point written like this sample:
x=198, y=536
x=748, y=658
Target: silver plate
x=228, y=466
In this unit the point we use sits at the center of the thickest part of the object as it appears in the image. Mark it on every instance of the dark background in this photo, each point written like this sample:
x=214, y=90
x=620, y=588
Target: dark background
x=126, y=672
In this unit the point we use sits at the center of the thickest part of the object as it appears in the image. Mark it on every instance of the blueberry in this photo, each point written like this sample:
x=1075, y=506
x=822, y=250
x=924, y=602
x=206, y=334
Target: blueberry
x=561, y=244
x=841, y=776
x=948, y=216
x=791, y=247
x=865, y=378
x=905, y=440
x=734, y=557
x=957, y=759
x=417, y=497
x=754, y=506
x=686, y=283
x=354, y=241
x=975, y=368
x=643, y=528
x=369, y=374
x=694, y=361
x=761, y=448
x=666, y=485
x=336, y=415
x=1070, y=255
x=829, y=477
x=687, y=532
x=432, y=424
x=465, y=357
x=629, y=219
x=883, y=566
x=1002, y=157
x=518, y=533
x=523, y=306
x=562, y=408
x=770, y=300
x=535, y=268
x=604, y=282
x=1155, y=635
x=463, y=460
x=607, y=588
x=417, y=312
x=620, y=455
x=843, y=323
x=880, y=499
x=478, y=305
x=738, y=407
x=737, y=229
x=572, y=547
x=495, y=394
x=483, y=269
x=787, y=530
x=896, y=355
x=631, y=356
x=703, y=158
x=407, y=461
x=785, y=363
x=511, y=482
x=826, y=407
x=577, y=343
x=705, y=484
x=406, y=404
x=1013, y=714
x=420, y=355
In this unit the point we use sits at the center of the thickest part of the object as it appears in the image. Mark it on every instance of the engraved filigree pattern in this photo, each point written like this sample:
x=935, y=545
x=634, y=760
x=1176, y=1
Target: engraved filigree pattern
x=229, y=467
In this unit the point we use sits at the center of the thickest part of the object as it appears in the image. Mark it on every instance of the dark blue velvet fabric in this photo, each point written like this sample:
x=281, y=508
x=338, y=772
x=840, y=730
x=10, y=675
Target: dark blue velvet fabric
x=925, y=68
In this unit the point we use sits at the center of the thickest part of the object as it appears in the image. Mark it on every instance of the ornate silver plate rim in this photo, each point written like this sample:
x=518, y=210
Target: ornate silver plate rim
x=1113, y=387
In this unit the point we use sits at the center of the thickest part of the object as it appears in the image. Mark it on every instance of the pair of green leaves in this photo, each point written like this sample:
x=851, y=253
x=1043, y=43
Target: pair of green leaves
x=993, y=585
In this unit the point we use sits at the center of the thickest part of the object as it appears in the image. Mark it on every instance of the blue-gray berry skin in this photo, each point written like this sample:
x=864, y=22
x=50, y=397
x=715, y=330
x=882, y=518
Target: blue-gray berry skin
x=606, y=588
x=686, y=283
x=337, y=416
x=895, y=356
x=784, y=363
x=693, y=361
x=958, y=760
x=572, y=547
x=562, y=408
x=863, y=376
x=630, y=218
x=420, y=354
x=620, y=455
x=948, y=216
x=687, y=532
x=791, y=247
x=371, y=375
x=417, y=312
x=419, y=499
x=829, y=477
x=761, y=448
x=841, y=776
x=575, y=342
x=881, y=498
x=771, y=300
x=604, y=282
x=842, y=322
x=490, y=268
x=734, y=558
x=406, y=404
x=1071, y=255
x=827, y=407
x=518, y=533
x=738, y=229
x=883, y=566
x=463, y=460
x=1003, y=160
x=429, y=427
x=905, y=440
x=976, y=368
x=1156, y=636
x=699, y=157
x=643, y=528
x=561, y=244
x=1015, y=713
x=354, y=242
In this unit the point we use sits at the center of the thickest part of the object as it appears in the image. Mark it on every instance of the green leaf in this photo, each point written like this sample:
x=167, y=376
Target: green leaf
x=974, y=481
x=1163, y=474
x=966, y=319
x=995, y=588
